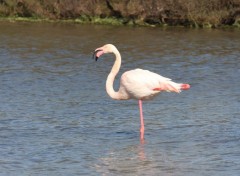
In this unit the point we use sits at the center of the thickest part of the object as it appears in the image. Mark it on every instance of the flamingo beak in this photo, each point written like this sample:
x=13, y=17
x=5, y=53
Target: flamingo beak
x=96, y=55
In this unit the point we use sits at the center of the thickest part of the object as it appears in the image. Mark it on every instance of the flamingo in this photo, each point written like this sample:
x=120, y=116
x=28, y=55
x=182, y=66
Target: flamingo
x=136, y=84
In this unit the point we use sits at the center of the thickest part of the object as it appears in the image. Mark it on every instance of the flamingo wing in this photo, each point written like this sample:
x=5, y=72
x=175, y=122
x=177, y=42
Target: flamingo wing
x=143, y=84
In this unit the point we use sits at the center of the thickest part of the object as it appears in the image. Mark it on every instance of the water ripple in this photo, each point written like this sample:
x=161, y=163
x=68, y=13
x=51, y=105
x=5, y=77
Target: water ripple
x=56, y=118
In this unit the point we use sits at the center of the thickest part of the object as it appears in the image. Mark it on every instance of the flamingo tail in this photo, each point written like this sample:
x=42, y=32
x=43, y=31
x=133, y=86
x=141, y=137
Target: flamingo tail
x=173, y=87
x=185, y=86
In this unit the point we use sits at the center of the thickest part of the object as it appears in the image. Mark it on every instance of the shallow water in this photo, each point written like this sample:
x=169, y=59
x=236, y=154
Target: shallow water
x=56, y=118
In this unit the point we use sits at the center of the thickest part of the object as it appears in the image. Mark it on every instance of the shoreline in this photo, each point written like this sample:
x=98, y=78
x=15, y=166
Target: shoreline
x=112, y=21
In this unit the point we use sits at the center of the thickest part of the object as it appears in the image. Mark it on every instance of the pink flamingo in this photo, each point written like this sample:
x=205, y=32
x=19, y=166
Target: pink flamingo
x=136, y=84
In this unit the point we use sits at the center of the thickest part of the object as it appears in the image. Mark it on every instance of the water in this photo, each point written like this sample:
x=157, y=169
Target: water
x=56, y=118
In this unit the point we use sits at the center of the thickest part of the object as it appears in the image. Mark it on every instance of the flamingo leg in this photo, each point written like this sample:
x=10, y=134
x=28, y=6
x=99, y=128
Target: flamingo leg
x=141, y=120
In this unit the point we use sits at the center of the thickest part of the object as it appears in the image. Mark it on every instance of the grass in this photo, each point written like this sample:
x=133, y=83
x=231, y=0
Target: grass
x=190, y=13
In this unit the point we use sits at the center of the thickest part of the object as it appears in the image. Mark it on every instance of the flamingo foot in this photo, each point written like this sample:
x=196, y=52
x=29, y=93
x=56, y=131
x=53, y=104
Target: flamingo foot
x=142, y=135
x=142, y=132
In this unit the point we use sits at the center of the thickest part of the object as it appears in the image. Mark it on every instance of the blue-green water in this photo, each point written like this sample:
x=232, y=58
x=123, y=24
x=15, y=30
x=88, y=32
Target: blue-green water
x=56, y=118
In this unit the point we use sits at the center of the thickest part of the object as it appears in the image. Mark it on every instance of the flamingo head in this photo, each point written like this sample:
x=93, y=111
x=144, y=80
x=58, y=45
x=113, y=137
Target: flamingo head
x=108, y=48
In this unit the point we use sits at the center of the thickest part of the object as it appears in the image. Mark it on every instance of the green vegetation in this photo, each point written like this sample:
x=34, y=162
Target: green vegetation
x=193, y=13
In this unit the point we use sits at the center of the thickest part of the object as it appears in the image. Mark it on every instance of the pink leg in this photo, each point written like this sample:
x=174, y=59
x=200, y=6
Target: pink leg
x=141, y=120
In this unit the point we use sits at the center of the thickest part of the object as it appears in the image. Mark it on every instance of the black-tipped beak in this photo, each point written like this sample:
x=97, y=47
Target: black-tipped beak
x=95, y=55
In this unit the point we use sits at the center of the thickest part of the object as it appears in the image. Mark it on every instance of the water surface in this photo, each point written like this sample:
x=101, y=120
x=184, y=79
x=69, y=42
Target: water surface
x=56, y=118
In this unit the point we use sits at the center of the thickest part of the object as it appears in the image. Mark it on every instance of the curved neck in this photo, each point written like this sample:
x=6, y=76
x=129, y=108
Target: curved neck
x=110, y=79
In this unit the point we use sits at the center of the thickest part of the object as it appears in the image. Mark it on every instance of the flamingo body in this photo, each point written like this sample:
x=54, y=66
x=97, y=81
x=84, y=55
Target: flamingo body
x=136, y=84
x=145, y=85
